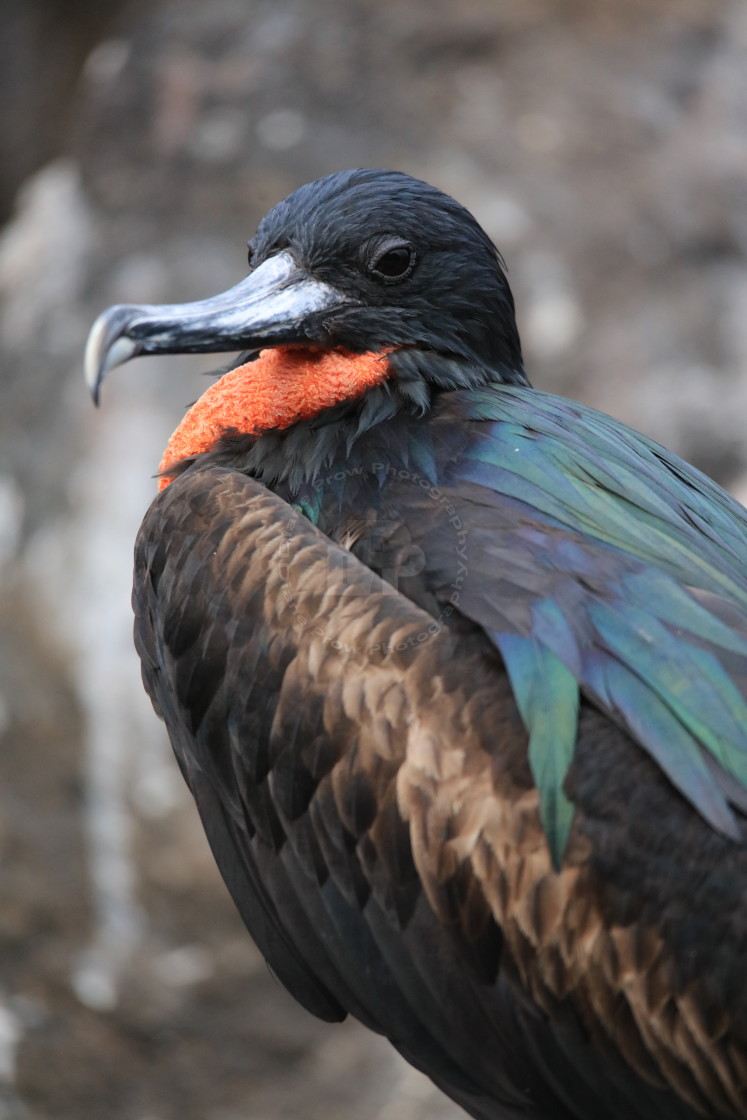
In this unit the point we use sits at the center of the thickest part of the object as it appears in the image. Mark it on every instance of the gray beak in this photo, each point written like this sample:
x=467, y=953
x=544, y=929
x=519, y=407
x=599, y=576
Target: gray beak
x=277, y=303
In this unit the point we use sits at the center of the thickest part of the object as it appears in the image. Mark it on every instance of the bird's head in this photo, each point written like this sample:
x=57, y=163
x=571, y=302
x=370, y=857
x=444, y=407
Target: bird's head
x=361, y=278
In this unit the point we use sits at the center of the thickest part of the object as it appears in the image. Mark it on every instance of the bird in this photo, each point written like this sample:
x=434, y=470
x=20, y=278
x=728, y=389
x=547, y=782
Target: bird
x=455, y=670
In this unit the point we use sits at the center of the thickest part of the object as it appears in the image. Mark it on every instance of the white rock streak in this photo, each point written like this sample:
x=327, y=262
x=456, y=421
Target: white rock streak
x=119, y=720
x=83, y=567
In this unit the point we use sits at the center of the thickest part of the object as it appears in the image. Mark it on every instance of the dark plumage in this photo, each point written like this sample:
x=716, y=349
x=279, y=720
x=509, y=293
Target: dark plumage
x=457, y=674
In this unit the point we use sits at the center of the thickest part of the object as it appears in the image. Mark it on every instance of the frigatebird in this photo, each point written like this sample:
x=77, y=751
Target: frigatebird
x=455, y=669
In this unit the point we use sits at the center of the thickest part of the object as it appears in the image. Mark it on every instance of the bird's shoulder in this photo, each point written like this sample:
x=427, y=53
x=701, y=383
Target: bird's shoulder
x=586, y=470
x=597, y=563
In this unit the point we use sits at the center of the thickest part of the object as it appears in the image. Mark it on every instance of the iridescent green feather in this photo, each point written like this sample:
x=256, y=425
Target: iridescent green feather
x=634, y=546
x=547, y=697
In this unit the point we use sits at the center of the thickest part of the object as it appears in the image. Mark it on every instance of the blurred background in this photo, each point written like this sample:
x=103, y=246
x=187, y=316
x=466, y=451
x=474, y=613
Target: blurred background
x=603, y=146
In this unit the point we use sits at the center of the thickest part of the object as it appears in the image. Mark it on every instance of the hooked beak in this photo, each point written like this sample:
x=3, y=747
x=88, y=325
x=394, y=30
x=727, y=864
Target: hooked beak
x=277, y=303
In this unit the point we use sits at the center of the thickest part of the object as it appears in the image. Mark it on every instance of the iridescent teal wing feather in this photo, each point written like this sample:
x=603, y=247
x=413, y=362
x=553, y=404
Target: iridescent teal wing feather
x=602, y=566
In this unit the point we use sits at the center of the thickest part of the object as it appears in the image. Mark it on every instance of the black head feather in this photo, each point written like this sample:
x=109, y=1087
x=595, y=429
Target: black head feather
x=351, y=229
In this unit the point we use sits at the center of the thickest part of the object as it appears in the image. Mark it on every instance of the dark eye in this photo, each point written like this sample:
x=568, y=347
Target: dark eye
x=250, y=254
x=395, y=262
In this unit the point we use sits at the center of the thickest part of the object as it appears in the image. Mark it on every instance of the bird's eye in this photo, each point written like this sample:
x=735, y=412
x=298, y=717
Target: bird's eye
x=395, y=262
x=250, y=253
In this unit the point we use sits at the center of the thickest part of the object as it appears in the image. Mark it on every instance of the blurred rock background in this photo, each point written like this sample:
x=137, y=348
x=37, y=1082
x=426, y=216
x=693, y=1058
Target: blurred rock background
x=604, y=147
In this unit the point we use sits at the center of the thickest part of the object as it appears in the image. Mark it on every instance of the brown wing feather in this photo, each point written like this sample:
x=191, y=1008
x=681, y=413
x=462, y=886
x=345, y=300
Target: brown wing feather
x=362, y=776
x=288, y=675
x=560, y=929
